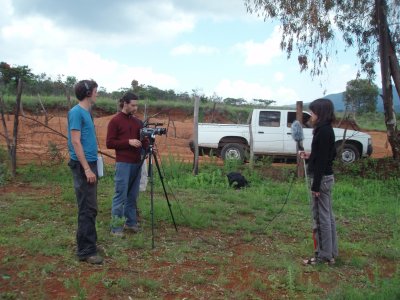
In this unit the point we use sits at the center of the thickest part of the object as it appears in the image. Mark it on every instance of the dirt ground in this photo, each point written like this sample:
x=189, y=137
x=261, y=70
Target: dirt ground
x=37, y=143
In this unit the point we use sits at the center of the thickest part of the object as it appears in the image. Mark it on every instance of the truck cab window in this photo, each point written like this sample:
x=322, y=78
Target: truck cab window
x=292, y=117
x=269, y=118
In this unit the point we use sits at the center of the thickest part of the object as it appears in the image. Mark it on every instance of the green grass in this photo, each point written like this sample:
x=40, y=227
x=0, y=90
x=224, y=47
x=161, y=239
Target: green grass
x=372, y=121
x=230, y=244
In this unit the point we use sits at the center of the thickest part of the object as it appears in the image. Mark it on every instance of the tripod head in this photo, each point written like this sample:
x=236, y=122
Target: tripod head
x=150, y=133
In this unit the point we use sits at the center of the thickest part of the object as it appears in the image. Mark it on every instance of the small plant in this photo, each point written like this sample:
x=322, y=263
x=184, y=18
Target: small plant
x=5, y=173
x=55, y=154
x=148, y=284
x=259, y=285
x=138, y=242
x=117, y=221
x=290, y=281
x=75, y=284
x=194, y=278
x=264, y=161
x=8, y=296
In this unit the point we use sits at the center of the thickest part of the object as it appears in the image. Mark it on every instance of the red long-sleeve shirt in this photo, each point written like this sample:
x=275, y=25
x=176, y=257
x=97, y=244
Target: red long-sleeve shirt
x=121, y=129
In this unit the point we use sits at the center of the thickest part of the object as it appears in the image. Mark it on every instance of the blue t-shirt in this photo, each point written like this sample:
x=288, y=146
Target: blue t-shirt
x=81, y=120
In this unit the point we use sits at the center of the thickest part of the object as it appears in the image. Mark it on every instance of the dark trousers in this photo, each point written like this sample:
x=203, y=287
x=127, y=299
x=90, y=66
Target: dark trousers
x=86, y=196
x=325, y=226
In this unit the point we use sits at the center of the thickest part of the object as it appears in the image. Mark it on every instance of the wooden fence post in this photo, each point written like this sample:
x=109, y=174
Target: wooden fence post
x=196, y=135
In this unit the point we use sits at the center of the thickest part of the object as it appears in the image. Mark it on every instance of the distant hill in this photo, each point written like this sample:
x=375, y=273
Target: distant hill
x=338, y=102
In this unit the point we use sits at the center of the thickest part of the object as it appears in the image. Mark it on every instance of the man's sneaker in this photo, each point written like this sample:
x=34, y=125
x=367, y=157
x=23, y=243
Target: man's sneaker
x=93, y=259
x=132, y=229
x=119, y=234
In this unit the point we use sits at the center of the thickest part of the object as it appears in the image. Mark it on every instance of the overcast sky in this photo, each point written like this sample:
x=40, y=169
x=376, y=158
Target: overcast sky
x=213, y=46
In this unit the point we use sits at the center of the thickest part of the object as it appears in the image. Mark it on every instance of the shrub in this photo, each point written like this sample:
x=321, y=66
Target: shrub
x=5, y=173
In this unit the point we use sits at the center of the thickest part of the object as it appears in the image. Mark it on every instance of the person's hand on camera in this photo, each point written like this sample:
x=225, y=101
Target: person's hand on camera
x=304, y=155
x=90, y=176
x=135, y=143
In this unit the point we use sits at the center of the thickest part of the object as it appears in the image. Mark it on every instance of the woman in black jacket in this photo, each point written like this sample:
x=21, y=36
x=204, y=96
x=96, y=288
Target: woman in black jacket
x=320, y=162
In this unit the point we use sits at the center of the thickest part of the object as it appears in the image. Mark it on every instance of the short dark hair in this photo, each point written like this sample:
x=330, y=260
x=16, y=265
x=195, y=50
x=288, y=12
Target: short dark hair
x=126, y=98
x=84, y=88
x=324, y=109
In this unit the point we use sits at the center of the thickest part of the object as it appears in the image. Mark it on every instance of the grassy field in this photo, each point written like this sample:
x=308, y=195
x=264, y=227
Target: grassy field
x=230, y=244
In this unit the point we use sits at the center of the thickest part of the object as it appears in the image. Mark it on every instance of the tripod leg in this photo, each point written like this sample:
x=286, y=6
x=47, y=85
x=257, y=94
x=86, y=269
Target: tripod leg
x=165, y=192
x=151, y=198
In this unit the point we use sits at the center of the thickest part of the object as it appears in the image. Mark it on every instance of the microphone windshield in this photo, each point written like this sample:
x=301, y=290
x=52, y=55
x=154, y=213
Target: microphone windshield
x=297, y=131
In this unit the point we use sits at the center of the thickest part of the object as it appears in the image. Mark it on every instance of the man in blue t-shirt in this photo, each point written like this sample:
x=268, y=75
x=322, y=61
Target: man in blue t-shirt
x=82, y=147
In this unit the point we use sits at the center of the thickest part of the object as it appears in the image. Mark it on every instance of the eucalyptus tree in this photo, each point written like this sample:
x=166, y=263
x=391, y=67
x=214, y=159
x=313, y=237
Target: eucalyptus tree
x=311, y=27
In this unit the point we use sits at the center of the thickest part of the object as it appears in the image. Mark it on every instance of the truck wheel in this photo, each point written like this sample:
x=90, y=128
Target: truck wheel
x=233, y=151
x=349, y=154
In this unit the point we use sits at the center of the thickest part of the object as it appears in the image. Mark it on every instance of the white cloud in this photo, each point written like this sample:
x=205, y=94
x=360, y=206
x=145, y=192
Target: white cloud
x=6, y=10
x=35, y=32
x=160, y=21
x=132, y=22
x=337, y=76
x=45, y=48
x=284, y=95
x=187, y=49
x=113, y=75
x=279, y=76
x=242, y=89
x=217, y=10
x=261, y=53
x=184, y=49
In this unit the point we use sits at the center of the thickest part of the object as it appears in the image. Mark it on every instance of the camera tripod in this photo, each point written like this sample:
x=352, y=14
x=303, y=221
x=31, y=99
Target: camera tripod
x=151, y=156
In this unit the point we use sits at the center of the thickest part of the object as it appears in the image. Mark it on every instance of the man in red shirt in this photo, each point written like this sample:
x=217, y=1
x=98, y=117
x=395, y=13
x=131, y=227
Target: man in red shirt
x=123, y=135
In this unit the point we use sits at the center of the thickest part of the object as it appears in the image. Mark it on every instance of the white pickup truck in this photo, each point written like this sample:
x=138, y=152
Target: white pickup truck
x=272, y=136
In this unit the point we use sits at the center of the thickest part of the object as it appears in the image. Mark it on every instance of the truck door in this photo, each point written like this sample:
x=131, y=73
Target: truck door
x=268, y=132
x=290, y=143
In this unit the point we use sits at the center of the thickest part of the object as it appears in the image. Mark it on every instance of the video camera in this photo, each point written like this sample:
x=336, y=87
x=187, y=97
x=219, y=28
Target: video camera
x=152, y=132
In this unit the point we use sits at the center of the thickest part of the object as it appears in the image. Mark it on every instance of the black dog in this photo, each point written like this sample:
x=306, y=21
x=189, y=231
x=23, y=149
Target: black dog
x=237, y=180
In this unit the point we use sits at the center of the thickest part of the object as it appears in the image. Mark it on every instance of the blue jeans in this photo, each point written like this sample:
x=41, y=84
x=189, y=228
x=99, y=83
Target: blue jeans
x=124, y=203
x=86, y=196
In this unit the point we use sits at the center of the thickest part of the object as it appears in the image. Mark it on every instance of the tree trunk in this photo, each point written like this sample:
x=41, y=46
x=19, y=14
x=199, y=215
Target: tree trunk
x=13, y=152
x=384, y=45
x=213, y=112
x=394, y=66
x=68, y=96
x=46, y=118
